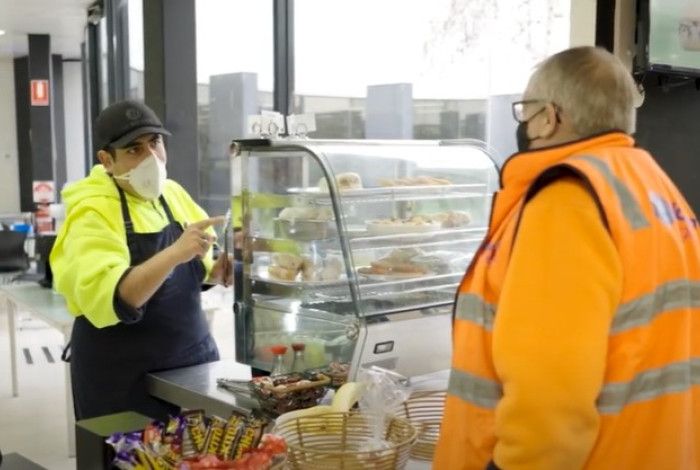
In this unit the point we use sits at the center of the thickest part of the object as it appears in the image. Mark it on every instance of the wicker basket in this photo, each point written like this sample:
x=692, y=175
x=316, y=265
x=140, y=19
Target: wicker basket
x=424, y=410
x=293, y=397
x=335, y=440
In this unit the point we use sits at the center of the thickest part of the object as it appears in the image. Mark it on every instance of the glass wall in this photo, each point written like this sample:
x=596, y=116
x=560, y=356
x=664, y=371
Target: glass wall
x=411, y=69
x=424, y=70
x=103, y=71
x=136, y=64
x=234, y=80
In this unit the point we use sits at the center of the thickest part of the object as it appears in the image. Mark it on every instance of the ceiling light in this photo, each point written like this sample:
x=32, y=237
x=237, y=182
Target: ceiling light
x=2, y=31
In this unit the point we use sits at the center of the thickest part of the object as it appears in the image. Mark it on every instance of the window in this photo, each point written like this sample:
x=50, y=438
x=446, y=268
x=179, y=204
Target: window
x=136, y=63
x=103, y=63
x=234, y=80
x=424, y=70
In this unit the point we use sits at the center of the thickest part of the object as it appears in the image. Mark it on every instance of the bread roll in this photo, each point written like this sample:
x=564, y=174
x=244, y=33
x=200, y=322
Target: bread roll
x=344, y=181
x=287, y=261
x=301, y=213
x=281, y=273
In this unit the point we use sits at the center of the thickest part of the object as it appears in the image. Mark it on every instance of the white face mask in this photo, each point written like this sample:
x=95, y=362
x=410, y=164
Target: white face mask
x=147, y=178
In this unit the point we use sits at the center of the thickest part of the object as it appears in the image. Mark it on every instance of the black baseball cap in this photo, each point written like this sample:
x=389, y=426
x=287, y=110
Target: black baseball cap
x=122, y=122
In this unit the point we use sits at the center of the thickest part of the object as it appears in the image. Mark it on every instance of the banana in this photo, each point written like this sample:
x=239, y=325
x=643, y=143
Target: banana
x=346, y=397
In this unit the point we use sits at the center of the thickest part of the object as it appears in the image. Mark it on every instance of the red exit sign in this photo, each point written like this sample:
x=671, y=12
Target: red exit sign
x=40, y=92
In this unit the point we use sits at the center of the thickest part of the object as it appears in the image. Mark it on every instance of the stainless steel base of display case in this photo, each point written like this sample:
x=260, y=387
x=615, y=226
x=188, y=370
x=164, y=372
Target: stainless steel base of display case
x=195, y=388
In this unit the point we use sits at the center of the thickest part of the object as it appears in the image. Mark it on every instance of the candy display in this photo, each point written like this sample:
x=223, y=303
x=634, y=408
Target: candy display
x=191, y=441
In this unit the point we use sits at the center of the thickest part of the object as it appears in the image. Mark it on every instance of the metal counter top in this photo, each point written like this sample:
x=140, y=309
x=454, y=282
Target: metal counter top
x=195, y=388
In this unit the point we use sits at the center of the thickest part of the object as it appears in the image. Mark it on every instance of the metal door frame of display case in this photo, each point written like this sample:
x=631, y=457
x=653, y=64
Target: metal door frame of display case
x=433, y=314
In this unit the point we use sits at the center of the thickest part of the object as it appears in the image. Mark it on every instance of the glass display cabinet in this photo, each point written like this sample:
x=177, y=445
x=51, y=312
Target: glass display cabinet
x=355, y=248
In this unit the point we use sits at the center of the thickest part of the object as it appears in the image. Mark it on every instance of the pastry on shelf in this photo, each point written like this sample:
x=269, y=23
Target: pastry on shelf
x=288, y=261
x=395, y=225
x=328, y=269
x=414, y=181
x=305, y=223
x=344, y=181
x=290, y=267
x=282, y=274
x=419, y=223
x=292, y=214
x=397, y=263
x=451, y=219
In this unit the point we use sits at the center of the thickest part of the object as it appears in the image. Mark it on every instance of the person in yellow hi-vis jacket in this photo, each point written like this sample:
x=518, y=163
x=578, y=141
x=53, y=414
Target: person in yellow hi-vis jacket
x=577, y=327
x=130, y=260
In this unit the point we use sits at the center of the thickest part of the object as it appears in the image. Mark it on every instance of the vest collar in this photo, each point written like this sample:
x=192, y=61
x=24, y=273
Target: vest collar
x=520, y=170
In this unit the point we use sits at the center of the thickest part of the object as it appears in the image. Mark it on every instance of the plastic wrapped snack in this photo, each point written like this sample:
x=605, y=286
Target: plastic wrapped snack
x=384, y=390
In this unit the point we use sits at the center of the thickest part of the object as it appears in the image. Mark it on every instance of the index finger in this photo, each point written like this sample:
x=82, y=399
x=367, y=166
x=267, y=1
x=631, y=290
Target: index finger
x=202, y=224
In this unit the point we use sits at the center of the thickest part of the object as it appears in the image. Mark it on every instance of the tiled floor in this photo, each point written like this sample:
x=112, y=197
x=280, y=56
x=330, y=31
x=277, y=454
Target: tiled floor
x=34, y=423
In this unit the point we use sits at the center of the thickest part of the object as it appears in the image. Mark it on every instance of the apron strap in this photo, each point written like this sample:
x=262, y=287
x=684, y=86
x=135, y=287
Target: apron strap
x=128, y=224
x=166, y=208
x=65, y=354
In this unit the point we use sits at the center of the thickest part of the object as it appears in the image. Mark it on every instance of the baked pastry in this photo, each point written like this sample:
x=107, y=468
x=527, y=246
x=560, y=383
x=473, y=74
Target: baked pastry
x=451, y=219
x=291, y=214
x=328, y=269
x=397, y=263
x=288, y=261
x=281, y=273
x=344, y=181
x=422, y=180
x=403, y=255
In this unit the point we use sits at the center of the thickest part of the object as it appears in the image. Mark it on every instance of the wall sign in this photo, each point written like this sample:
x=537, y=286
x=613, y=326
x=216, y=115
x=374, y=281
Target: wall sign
x=39, y=92
x=43, y=192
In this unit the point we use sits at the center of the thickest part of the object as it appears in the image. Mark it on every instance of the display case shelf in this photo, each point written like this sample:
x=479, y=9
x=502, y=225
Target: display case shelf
x=312, y=195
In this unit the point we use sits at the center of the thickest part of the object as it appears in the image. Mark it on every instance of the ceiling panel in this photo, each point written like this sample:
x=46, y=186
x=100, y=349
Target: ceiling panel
x=64, y=20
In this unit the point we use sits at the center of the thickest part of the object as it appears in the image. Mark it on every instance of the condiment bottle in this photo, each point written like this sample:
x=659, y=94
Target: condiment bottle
x=299, y=362
x=278, y=366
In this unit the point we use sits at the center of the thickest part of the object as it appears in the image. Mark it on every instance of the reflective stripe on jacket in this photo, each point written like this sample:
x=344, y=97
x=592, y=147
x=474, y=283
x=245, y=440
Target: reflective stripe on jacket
x=649, y=404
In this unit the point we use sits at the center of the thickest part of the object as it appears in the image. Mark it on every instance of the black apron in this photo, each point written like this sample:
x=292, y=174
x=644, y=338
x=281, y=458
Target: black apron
x=109, y=365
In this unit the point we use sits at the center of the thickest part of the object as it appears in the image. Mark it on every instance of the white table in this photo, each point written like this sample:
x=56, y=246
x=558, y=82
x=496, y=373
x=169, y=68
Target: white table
x=50, y=307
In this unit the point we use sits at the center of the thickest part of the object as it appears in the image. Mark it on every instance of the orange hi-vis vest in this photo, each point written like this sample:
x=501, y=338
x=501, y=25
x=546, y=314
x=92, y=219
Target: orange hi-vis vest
x=649, y=404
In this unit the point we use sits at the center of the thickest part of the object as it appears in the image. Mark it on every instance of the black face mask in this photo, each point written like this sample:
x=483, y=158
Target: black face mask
x=521, y=138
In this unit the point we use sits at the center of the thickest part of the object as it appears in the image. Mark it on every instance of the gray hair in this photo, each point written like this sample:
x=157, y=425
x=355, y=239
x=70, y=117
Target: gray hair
x=591, y=86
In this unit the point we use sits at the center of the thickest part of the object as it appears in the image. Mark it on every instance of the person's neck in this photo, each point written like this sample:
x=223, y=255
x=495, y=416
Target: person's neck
x=560, y=138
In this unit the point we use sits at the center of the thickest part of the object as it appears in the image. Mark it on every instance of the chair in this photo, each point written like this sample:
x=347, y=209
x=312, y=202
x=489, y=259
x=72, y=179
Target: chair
x=13, y=259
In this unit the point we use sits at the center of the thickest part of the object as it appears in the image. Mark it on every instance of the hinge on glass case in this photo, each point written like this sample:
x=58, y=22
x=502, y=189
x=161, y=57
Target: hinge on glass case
x=352, y=331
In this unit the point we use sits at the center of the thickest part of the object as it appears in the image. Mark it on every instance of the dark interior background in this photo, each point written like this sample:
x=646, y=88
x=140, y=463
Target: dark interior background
x=668, y=123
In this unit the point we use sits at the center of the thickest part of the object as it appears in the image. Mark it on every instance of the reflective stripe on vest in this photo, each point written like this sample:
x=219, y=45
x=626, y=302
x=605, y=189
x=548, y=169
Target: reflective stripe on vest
x=472, y=308
x=472, y=389
x=633, y=213
x=676, y=377
x=669, y=296
x=613, y=398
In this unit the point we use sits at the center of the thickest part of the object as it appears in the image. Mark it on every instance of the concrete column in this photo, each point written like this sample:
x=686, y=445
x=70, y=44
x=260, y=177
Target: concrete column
x=59, y=128
x=170, y=81
x=34, y=119
x=389, y=111
x=232, y=97
x=500, y=126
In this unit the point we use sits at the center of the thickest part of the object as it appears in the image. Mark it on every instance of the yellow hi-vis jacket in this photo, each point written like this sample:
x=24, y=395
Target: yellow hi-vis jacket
x=90, y=255
x=577, y=328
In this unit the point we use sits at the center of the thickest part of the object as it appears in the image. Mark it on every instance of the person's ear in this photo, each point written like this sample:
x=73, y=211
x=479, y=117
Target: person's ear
x=549, y=122
x=106, y=159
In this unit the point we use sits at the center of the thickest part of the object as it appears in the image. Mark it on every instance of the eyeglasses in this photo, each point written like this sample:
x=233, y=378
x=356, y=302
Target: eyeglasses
x=519, y=109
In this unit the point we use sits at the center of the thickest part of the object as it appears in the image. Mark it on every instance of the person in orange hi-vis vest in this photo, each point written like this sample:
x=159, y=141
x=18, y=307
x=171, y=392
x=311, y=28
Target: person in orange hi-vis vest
x=577, y=326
